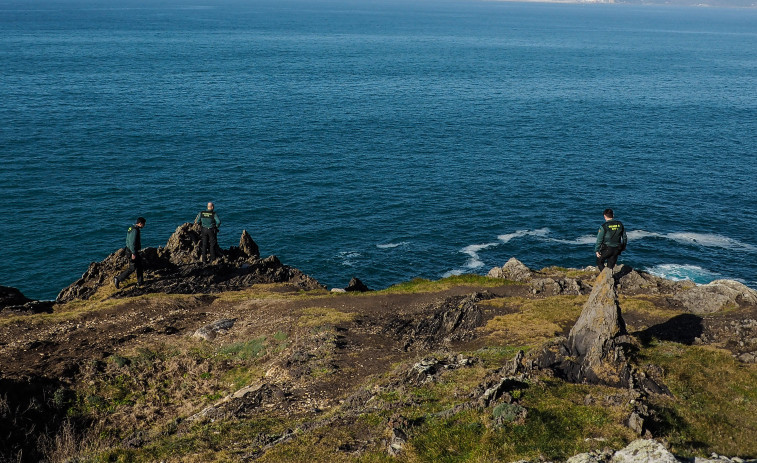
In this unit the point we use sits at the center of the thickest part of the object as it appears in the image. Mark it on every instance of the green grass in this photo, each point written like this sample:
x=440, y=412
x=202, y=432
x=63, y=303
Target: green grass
x=714, y=402
x=422, y=285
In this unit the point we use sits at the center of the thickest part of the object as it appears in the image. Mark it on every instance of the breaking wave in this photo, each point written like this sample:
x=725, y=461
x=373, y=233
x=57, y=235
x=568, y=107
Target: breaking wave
x=678, y=272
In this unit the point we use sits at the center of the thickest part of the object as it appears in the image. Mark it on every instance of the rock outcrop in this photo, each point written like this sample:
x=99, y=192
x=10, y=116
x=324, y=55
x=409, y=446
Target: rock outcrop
x=174, y=269
x=356, y=285
x=716, y=296
x=594, y=351
x=12, y=299
x=513, y=270
x=638, y=451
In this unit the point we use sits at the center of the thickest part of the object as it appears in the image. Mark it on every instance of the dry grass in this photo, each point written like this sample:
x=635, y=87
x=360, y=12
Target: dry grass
x=320, y=316
x=533, y=321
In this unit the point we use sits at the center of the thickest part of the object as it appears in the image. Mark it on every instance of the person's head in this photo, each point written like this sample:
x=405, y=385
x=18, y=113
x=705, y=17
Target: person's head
x=211, y=206
x=141, y=222
x=608, y=214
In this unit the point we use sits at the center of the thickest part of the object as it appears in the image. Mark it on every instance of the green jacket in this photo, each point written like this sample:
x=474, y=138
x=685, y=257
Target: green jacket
x=133, y=239
x=208, y=219
x=612, y=233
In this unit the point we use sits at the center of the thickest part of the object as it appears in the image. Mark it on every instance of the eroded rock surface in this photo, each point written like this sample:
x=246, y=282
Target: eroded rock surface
x=716, y=296
x=594, y=351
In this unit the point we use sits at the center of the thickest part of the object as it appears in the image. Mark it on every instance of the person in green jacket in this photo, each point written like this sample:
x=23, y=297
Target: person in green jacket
x=210, y=224
x=133, y=246
x=611, y=241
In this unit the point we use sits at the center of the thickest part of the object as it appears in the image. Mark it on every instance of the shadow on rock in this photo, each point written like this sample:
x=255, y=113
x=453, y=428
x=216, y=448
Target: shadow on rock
x=683, y=329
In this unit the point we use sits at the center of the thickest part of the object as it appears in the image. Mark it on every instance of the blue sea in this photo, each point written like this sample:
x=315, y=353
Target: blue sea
x=380, y=139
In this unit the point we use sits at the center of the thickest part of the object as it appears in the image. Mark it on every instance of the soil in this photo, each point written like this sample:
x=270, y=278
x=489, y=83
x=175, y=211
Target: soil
x=42, y=353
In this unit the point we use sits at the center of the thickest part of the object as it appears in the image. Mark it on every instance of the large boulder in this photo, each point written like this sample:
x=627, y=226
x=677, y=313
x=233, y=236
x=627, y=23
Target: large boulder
x=513, y=270
x=716, y=296
x=643, y=451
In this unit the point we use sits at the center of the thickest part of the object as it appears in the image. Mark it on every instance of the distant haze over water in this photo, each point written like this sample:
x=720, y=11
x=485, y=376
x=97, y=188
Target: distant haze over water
x=383, y=140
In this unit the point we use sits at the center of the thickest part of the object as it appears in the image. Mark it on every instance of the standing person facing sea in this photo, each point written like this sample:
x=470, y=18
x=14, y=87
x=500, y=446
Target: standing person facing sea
x=210, y=223
x=133, y=246
x=611, y=241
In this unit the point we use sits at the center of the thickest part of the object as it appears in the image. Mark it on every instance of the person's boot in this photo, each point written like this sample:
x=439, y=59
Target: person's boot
x=116, y=282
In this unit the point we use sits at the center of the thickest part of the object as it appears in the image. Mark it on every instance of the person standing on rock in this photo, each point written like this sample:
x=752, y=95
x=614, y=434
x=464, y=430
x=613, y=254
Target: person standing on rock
x=133, y=246
x=611, y=241
x=210, y=223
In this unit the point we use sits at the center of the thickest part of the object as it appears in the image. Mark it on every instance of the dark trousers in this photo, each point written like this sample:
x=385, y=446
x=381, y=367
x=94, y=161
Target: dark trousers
x=208, y=243
x=134, y=264
x=609, y=254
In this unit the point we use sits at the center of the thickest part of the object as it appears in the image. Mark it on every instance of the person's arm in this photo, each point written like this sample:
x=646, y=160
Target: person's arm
x=217, y=220
x=624, y=239
x=600, y=238
x=197, y=219
x=131, y=236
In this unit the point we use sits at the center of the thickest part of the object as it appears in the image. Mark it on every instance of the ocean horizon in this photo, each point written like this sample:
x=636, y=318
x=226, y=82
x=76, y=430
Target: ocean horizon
x=381, y=140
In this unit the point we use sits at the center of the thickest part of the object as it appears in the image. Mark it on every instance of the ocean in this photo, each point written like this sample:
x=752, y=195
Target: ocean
x=385, y=140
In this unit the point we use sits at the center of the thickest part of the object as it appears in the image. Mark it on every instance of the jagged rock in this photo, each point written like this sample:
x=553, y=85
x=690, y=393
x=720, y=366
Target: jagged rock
x=248, y=246
x=594, y=351
x=11, y=296
x=356, y=285
x=600, y=320
x=12, y=300
x=644, y=450
x=210, y=331
x=513, y=270
x=185, y=244
x=716, y=296
x=558, y=286
x=174, y=269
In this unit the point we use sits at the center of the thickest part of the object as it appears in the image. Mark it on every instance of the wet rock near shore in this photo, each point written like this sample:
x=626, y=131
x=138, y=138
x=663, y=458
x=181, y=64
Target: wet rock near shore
x=13, y=300
x=176, y=269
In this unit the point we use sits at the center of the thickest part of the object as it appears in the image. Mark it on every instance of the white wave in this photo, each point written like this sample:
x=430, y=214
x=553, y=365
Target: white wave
x=392, y=245
x=678, y=272
x=520, y=233
x=452, y=273
x=641, y=234
x=473, y=250
x=709, y=240
x=581, y=240
x=348, y=257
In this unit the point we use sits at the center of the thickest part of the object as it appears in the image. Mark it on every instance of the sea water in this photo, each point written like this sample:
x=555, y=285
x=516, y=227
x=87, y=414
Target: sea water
x=380, y=139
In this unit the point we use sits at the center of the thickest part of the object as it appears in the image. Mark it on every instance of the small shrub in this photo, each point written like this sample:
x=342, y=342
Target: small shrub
x=508, y=413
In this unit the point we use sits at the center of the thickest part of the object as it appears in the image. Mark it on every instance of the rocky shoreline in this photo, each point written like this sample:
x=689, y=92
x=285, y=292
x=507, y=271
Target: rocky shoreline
x=334, y=332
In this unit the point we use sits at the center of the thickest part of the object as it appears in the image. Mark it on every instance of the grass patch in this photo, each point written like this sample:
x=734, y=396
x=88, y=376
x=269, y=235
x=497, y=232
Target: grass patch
x=422, y=285
x=715, y=400
x=319, y=316
x=534, y=321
